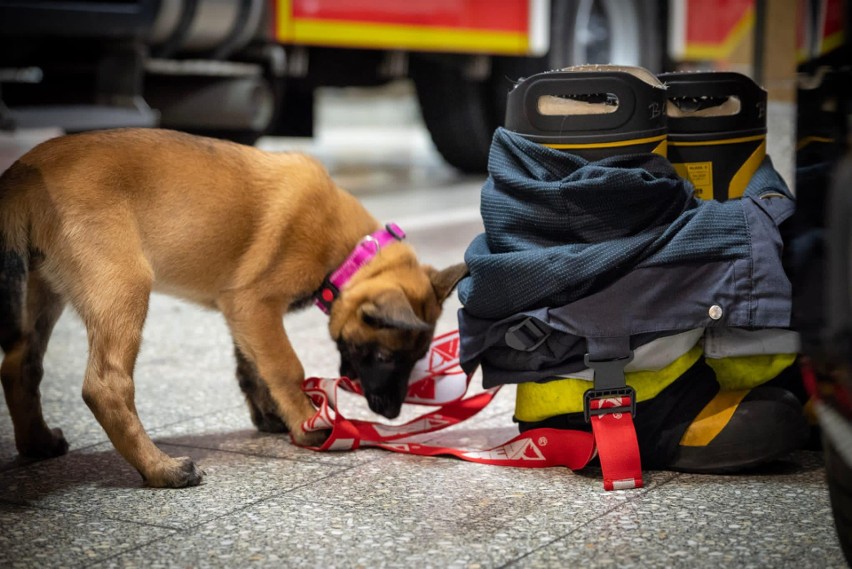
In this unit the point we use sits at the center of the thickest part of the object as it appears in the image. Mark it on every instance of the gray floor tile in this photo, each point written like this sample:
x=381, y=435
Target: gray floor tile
x=99, y=483
x=34, y=537
x=780, y=518
x=399, y=512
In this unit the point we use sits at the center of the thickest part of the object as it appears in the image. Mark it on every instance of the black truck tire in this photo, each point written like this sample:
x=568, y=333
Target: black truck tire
x=462, y=112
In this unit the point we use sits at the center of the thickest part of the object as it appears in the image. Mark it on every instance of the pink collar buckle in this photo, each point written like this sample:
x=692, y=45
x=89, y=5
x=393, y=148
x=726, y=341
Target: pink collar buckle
x=366, y=249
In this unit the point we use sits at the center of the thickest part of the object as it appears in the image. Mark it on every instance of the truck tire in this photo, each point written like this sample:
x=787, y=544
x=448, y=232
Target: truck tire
x=462, y=112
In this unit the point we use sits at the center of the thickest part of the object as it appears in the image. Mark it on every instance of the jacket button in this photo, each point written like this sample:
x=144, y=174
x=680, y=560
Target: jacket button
x=715, y=312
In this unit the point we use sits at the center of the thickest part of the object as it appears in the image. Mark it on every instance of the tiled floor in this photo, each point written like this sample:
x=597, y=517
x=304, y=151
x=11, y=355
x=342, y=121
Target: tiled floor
x=266, y=503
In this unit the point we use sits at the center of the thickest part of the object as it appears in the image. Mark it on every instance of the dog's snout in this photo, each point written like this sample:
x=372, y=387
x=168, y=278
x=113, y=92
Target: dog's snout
x=383, y=375
x=383, y=406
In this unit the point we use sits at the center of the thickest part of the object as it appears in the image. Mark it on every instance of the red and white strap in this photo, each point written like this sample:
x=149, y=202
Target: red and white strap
x=618, y=448
x=439, y=381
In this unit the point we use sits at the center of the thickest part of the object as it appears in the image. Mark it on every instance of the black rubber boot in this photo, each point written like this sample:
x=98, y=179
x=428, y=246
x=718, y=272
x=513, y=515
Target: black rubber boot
x=730, y=435
x=661, y=421
x=745, y=429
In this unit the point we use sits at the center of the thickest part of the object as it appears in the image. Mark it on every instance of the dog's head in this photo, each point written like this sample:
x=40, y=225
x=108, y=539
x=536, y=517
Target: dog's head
x=383, y=322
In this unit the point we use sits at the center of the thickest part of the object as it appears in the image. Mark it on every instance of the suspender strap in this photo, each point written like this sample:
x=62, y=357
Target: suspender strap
x=610, y=406
x=618, y=449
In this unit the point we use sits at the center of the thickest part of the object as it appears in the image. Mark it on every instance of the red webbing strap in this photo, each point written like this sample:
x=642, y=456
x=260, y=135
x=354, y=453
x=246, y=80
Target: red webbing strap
x=537, y=448
x=618, y=448
x=441, y=382
x=353, y=433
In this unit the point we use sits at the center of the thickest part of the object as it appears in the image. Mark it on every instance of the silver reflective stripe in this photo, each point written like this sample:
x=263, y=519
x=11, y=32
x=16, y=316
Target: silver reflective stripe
x=733, y=342
x=656, y=354
x=626, y=484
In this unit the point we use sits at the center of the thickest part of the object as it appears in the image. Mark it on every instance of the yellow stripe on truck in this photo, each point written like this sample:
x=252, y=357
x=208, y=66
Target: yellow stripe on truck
x=394, y=36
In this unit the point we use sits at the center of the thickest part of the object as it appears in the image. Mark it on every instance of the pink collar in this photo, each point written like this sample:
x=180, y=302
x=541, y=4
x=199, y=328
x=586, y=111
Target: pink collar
x=366, y=249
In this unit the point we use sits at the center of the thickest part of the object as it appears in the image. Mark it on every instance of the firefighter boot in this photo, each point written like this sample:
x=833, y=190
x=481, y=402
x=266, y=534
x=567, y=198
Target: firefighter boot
x=741, y=429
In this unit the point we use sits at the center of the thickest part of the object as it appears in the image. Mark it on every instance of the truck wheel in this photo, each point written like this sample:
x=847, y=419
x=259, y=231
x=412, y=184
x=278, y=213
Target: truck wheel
x=461, y=112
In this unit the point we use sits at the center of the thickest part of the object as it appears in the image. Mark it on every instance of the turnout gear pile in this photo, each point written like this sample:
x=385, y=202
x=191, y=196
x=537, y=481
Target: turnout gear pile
x=601, y=273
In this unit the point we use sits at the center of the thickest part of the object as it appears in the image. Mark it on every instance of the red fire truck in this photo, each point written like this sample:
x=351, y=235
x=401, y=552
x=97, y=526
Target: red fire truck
x=79, y=64
x=83, y=64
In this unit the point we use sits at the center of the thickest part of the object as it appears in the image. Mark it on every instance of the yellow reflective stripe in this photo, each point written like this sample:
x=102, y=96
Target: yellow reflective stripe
x=745, y=372
x=539, y=401
x=740, y=180
x=616, y=144
x=811, y=139
x=712, y=418
x=662, y=149
x=394, y=36
x=720, y=141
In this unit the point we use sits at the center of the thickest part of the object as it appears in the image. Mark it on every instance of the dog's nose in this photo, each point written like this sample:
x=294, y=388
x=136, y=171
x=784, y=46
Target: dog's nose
x=383, y=407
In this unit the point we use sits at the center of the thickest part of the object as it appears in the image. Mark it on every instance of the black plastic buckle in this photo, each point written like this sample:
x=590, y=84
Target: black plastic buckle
x=591, y=394
x=608, y=383
x=526, y=336
x=395, y=230
x=327, y=293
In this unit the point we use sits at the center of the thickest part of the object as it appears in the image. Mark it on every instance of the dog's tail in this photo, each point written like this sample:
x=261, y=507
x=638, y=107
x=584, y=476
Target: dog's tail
x=14, y=257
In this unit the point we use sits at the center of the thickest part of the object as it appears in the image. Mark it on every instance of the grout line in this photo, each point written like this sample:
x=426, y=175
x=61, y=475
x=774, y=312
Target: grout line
x=184, y=531
x=588, y=522
x=86, y=515
x=129, y=550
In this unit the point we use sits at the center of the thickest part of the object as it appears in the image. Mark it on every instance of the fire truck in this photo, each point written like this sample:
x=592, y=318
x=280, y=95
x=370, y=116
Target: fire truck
x=243, y=68
x=240, y=69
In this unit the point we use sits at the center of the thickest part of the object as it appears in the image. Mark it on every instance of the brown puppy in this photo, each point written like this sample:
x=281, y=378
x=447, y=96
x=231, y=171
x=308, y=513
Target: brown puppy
x=101, y=219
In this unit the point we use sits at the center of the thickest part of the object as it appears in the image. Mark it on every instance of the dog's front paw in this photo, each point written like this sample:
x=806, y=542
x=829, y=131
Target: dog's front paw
x=176, y=473
x=45, y=445
x=310, y=438
x=268, y=423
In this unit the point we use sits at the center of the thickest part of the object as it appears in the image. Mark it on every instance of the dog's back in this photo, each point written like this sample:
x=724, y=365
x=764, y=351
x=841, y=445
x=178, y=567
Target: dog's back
x=110, y=191
x=195, y=207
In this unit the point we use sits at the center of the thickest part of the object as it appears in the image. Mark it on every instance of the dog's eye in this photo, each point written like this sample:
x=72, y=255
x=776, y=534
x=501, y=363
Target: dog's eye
x=383, y=356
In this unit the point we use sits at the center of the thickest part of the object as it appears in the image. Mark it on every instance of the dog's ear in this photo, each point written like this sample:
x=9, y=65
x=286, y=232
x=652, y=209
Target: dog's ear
x=443, y=282
x=391, y=309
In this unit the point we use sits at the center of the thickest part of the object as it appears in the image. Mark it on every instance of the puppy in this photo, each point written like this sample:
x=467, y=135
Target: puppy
x=100, y=219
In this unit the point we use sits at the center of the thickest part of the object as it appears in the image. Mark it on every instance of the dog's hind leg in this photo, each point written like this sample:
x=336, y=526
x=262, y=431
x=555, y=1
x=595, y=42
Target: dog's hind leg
x=264, y=413
x=28, y=320
x=114, y=307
